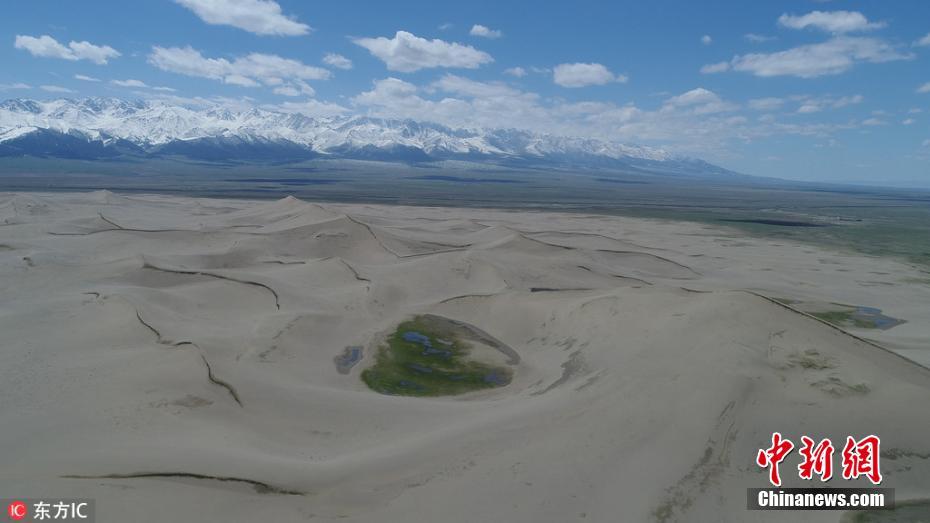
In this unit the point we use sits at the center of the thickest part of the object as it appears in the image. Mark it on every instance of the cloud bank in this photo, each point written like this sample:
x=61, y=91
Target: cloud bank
x=406, y=53
x=261, y=17
x=47, y=47
x=584, y=74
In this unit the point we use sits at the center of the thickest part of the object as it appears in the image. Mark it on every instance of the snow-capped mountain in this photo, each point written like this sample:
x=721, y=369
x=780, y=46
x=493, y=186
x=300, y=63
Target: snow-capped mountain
x=96, y=128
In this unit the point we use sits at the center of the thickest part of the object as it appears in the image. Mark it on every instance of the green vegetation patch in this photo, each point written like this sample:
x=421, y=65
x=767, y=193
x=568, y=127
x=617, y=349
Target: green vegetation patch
x=844, y=319
x=422, y=358
x=859, y=317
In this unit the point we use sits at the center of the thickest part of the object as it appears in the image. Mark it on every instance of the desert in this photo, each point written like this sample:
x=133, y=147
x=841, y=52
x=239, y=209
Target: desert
x=172, y=357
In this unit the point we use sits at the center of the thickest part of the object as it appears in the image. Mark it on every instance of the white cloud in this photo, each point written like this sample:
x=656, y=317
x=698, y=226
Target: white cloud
x=446, y=26
x=243, y=103
x=139, y=84
x=706, y=40
x=765, y=104
x=924, y=41
x=241, y=81
x=287, y=90
x=337, y=60
x=517, y=72
x=99, y=54
x=17, y=85
x=757, y=38
x=47, y=47
x=693, y=97
x=297, y=88
x=252, y=70
x=836, y=22
x=908, y=121
x=700, y=101
x=834, y=56
x=873, y=122
x=809, y=107
x=85, y=78
x=817, y=104
x=55, y=89
x=925, y=88
x=698, y=121
x=847, y=100
x=458, y=85
x=129, y=83
x=406, y=53
x=484, y=32
x=581, y=75
x=262, y=17
x=926, y=143
x=459, y=102
x=718, y=67
x=385, y=91
x=312, y=108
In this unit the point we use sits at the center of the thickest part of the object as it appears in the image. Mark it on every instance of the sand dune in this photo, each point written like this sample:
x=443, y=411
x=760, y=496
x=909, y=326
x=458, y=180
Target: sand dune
x=173, y=358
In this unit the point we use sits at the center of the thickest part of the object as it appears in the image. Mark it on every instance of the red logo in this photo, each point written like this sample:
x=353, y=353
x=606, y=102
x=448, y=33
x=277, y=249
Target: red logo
x=774, y=455
x=17, y=510
x=860, y=458
x=817, y=460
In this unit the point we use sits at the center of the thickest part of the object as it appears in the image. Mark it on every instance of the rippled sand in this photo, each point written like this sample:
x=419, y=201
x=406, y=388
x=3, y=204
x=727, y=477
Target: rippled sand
x=175, y=359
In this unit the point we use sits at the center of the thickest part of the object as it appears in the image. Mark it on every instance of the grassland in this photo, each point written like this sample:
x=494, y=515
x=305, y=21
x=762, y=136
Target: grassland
x=859, y=317
x=844, y=319
x=419, y=359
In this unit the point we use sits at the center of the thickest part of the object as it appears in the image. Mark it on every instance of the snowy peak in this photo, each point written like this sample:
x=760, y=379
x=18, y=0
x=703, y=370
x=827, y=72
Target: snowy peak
x=159, y=128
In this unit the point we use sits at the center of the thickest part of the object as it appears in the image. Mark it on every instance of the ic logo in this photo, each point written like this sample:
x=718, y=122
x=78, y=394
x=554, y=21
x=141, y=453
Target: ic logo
x=17, y=510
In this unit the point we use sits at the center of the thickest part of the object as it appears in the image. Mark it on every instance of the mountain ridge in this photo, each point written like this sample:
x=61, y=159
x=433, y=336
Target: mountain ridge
x=98, y=128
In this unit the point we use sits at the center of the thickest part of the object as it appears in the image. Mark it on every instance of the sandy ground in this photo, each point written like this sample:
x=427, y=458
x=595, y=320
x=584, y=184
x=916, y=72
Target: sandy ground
x=190, y=343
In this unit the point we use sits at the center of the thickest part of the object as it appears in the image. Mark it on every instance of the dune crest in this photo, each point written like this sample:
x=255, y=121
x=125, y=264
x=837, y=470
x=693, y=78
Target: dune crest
x=191, y=357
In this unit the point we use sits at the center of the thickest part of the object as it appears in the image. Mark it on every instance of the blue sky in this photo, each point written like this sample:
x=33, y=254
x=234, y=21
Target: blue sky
x=810, y=90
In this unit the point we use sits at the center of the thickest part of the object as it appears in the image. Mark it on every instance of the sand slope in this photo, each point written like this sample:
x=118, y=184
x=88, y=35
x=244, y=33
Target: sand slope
x=173, y=358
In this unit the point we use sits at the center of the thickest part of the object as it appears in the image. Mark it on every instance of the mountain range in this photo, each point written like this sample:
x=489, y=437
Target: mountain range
x=109, y=128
